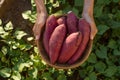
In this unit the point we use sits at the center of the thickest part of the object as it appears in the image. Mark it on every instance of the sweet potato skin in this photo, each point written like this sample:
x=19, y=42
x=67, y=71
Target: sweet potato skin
x=72, y=22
x=56, y=42
x=51, y=24
x=70, y=45
x=85, y=29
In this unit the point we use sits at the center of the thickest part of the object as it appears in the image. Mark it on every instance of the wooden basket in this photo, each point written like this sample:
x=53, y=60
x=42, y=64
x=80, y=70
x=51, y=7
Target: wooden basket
x=45, y=57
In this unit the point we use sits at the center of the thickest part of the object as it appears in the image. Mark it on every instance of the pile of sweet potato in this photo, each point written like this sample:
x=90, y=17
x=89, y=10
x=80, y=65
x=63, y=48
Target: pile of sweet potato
x=65, y=38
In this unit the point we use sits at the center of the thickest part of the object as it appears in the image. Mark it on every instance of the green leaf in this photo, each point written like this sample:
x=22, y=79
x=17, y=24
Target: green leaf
x=102, y=52
x=25, y=47
x=47, y=76
x=62, y=77
x=16, y=75
x=78, y=2
x=92, y=76
x=86, y=78
x=102, y=29
x=58, y=13
x=116, y=52
x=100, y=67
x=103, y=2
x=5, y=72
x=98, y=10
x=67, y=9
x=83, y=73
x=116, y=33
x=33, y=73
x=76, y=11
x=110, y=71
x=112, y=44
x=90, y=69
x=116, y=1
x=92, y=58
x=114, y=24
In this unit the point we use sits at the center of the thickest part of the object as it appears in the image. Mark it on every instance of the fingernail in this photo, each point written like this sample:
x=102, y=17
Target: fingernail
x=37, y=37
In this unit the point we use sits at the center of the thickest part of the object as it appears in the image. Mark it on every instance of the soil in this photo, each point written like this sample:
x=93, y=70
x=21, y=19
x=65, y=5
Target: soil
x=11, y=10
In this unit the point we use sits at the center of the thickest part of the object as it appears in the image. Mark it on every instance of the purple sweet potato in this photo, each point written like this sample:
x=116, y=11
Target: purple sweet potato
x=69, y=47
x=51, y=24
x=72, y=22
x=56, y=42
x=61, y=20
x=84, y=27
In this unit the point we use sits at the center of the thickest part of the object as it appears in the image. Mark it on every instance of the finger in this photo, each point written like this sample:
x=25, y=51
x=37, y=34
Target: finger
x=37, y=37
x=93, y=33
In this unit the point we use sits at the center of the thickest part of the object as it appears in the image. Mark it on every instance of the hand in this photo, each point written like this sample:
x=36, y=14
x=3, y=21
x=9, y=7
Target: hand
x=92, y=24
x=41, y=18
x=87, y=14
x=40, y=22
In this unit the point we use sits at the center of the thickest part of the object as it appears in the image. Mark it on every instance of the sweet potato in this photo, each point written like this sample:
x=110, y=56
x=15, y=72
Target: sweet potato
x=69, y=47
x=72, y=22
x=85, y=29
x=51, y=24
x=56, y=42
x=61, y=20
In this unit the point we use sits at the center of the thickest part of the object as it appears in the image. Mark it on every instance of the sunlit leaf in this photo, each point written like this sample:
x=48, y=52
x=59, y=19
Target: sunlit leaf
x=26, y=14
x=20, y=34
x=21, y=66
x=9, y=26
x=16, y=75
x=33, y=73
x=1, y=31
x=5, y=72
x=30, y=38
x=57, y=4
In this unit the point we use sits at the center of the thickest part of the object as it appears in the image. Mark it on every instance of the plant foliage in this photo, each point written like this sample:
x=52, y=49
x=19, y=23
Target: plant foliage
x=20, y=60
